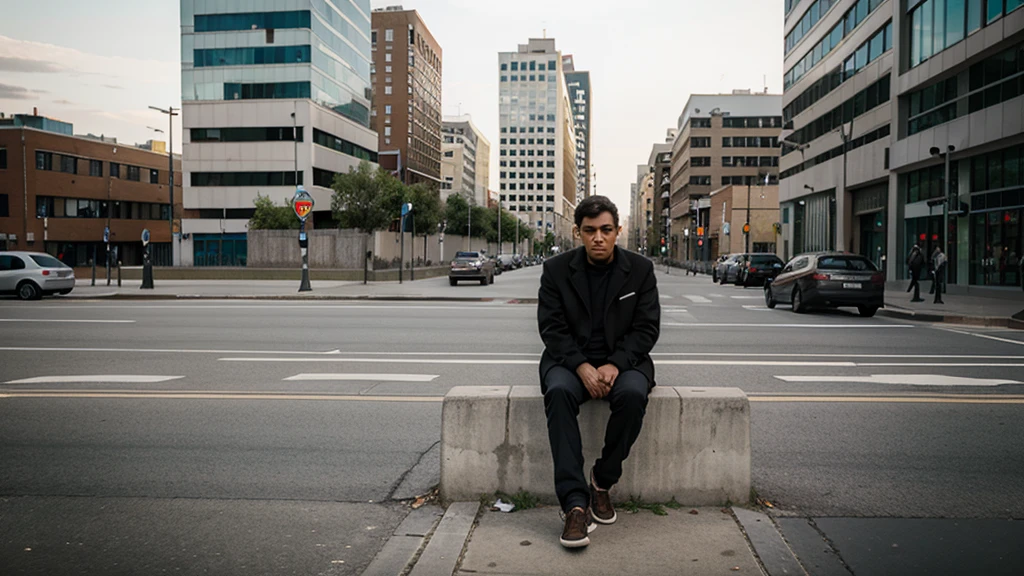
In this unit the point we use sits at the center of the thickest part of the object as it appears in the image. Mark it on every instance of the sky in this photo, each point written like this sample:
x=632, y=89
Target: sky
x=101, y=65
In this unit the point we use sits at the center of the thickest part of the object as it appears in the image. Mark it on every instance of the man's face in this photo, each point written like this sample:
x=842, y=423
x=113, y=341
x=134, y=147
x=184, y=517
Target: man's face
x=599, y=235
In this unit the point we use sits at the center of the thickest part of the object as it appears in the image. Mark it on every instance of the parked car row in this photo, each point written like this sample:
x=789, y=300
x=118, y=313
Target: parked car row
x=748, y=269
x=477, y=266
x=821, y=279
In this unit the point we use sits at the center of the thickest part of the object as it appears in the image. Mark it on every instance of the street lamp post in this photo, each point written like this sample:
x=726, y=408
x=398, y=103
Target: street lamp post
x=935, y=151
x=171, y=113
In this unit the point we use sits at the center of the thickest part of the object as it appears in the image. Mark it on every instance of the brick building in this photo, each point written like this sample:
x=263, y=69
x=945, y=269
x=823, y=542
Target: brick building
x=75, y=187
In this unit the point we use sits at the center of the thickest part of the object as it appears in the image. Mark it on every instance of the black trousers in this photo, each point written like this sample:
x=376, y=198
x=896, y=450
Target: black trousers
x=564, y=392
x=914, y=284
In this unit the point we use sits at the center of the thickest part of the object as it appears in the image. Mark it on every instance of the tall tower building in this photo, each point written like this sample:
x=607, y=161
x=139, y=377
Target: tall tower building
x=270, y=100
x=581, y=96
x=537, y=150
x=465, y=160
x=407, y=95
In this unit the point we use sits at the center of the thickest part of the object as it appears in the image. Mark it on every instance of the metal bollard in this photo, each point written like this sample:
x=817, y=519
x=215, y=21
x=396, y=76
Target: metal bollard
x=118, y=273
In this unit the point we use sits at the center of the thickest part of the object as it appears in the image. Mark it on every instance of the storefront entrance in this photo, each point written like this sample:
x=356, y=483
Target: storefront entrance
x=996, y=248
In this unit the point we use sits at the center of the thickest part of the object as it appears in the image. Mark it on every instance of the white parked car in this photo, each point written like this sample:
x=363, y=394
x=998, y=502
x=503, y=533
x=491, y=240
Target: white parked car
x=32, y=275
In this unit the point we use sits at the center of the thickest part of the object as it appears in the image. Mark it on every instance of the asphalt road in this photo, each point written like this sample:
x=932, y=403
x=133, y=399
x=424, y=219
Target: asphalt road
x=230, y=409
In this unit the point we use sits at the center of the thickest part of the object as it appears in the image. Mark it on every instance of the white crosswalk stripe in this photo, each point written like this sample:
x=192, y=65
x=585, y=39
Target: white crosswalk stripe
x=106, y=378
x=363, y=377
x=696, y=299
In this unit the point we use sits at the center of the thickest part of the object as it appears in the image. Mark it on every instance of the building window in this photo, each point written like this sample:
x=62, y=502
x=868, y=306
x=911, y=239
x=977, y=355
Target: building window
x=700, y=142
x=68, y=164
x=387, y=90
x=251, y=21
x=275, y=134
x=268, y=90
x=853, y=17
x=389, y=35
x=205, y=58
x=95, y=168
x=44, y=161
x=115, y=170
x=938, y=24
x=154, y=176
x=387, y=57
x=700, y=180
x=245, y=178
x=387, y=130
x=3, y=158
x=132, y=173
x=990, y=82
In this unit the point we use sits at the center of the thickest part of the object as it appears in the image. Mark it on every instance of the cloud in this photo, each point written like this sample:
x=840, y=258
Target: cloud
x=25, y=65
x=77, y=63
x=112, y=86
x=8, y=92
x=64, y=102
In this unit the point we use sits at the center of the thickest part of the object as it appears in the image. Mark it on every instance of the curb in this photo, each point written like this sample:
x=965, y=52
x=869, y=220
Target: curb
x=986, y=321
x=296, y=297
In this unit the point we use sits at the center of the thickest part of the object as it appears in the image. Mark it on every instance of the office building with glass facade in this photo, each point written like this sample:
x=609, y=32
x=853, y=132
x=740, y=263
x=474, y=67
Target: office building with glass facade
x=271, y=99
x=960, y=84
x=537, y=150
x=908, y=80
x=837, y=114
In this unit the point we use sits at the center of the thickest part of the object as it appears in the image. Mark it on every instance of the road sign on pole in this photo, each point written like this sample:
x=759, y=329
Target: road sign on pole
x=106, y=234
x=145, y=236
x=302, y=203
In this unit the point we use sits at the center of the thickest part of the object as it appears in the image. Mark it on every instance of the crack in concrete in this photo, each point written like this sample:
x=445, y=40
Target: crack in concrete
x=401, y=478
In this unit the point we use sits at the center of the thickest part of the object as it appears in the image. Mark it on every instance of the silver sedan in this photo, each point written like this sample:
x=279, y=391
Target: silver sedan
x=31, y=275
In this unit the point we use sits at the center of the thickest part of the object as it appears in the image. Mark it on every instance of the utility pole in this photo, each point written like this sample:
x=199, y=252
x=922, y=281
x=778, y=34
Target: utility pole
x=171, y=113
x=746, y=227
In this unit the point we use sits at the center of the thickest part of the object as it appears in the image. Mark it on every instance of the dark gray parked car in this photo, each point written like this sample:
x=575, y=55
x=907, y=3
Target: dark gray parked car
x=828, y=279
x=471, y=266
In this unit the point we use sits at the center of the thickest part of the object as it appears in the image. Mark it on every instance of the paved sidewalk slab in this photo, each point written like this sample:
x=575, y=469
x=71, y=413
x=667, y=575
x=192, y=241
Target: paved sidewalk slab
x=446, y=544
x=526, y=542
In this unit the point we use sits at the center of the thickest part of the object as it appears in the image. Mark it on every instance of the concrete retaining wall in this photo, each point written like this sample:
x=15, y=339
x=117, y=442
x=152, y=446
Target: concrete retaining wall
x=344, y=249
x=694, y=447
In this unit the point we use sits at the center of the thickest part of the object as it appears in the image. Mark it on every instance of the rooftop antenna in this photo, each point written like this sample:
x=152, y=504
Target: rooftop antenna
x=765, y=83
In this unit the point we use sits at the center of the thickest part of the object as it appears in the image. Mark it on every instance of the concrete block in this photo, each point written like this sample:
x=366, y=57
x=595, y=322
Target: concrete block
x=473, y=430
x=715, y=445
x=694, y=447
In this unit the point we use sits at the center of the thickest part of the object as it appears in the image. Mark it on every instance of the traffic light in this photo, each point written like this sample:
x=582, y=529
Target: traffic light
x=663, y=248
x=700, y=242
x=746, y=228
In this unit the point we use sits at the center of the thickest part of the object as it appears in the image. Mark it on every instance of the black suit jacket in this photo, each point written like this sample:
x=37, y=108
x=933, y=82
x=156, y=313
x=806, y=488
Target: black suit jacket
x=632, y=318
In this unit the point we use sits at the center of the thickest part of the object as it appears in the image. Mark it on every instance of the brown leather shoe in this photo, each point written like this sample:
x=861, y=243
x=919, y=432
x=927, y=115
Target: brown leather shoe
x=574, y=534
x=601, y=504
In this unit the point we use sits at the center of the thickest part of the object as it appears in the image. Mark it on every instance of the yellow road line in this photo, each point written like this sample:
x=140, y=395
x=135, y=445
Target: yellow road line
x=889, y=399
x=221, y=395
x=215, y=396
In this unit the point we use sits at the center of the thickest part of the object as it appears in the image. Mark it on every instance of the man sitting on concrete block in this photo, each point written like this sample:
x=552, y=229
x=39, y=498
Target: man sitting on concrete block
x=599, y=318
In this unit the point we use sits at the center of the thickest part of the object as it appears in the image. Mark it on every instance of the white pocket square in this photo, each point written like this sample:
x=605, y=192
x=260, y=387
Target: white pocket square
x=628, y=295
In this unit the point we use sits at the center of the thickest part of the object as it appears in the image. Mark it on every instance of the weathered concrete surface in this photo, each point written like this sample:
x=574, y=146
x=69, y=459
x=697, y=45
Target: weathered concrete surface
x=695, y=445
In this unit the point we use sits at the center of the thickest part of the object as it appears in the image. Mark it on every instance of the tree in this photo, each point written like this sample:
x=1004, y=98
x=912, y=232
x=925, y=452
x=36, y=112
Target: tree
x=426, y=208
x=456, y=213
x=269, y=216
x=366, y=199
x=544, y=247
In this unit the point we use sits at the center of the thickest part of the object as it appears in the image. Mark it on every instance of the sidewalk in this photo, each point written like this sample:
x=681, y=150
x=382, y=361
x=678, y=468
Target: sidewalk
x=1006, y=310
x=467, y=539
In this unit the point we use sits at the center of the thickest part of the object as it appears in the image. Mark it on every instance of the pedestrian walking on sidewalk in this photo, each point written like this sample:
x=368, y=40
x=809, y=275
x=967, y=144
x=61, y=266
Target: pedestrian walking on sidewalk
x=939, y=271
x=915, y=262
x=599, y=317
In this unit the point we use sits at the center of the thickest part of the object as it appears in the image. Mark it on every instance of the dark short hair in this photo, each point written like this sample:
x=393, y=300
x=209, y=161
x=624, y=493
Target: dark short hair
x=593, y=206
